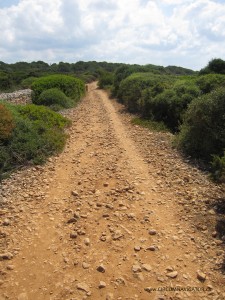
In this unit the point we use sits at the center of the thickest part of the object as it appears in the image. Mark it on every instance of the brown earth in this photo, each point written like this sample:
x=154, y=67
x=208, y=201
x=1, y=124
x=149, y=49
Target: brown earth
x=118, y=214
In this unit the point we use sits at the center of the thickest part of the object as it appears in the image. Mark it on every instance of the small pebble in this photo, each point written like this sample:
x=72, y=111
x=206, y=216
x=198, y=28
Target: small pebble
x=102, y=285
x=101, y=269
x=201, y=276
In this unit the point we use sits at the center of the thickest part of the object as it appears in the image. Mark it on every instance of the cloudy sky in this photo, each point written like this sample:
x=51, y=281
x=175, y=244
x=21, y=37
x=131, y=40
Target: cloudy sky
x=185, y=33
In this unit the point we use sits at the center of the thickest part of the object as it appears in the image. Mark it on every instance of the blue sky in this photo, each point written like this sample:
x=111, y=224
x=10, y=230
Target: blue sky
x=185, y=33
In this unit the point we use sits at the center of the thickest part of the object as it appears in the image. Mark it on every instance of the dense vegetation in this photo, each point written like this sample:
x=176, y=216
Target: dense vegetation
x=23, y=74
x=57, y=91
x=215, y=65
x=28, y=135
x=190, y=104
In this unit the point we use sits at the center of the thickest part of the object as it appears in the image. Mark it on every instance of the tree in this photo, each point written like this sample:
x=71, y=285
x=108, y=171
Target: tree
x=215, y=65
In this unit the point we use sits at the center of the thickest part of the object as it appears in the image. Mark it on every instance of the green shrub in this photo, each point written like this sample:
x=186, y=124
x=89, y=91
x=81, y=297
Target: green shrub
x=72, y=87
x=38, y=133
x=33, y=142
x=36, y=113
x=27, y=82
x=4, y=160
x=218, y=168
x=87, y=78
x=105, y=80
x=147, y=98
x=165, y=104
x=6, y=82
x=55, y=99
x=6, y=123
x=215, y=65
x=131, y=88
x=166, y=108
x=203, y=131
x=187, y=87
x=210, y=82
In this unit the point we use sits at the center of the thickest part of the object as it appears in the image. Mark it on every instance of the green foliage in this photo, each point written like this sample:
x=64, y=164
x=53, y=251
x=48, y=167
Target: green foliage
x=215, y=65
x=87, y=77
x=218, y=168
x=121, y=73
x=203, y=131
x=105, y=80
x=155, y=93
x=6, y=123
x=124, y=71
x=187, y=86
x=36, y=113
x=16, y=73
x=72, y=87
x=131, y=88
x=147, y=97
x=54, y=98
x=160, y=98
x=34, y=142
x=64, y=67
x=27, y=82
x=210, y=82
x=166, y=107
x=6, y=82
x=166, y=101
x=175, y=70
x=37, y=134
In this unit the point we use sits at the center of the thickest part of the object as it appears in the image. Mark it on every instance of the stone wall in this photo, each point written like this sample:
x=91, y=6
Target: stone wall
x=18, y=97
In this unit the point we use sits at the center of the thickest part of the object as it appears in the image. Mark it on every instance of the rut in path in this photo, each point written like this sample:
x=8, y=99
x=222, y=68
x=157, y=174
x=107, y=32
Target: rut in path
x=94, y=222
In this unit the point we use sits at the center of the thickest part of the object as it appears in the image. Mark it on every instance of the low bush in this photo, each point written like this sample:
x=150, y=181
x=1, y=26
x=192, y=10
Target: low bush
x=105, y=80
x=203, y=131
x=166, y=108
x=55, y=98
x=36, y=113
x=7, y=123
x=38, y=133
x=218, y=168
x=27, y=82
x=120, y=74
x=72, y=87
x=132, y=87
x=167, y=104
x=216, y=65
x=187, y=87
x=6, y=82
x=210, y=82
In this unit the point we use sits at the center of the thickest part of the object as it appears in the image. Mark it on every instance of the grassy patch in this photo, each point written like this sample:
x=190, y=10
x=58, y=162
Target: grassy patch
x=152, y=125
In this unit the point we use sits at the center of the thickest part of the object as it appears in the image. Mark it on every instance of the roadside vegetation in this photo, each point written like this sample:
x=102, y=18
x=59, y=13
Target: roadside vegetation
x=57, y=91
x=22, y=75
x=29, y=135
x=189, y=104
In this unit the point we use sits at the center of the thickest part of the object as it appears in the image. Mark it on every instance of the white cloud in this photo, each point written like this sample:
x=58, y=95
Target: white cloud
x=187, y=33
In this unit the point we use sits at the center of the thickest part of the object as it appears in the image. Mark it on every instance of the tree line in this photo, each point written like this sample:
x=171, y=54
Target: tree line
x=22, y=74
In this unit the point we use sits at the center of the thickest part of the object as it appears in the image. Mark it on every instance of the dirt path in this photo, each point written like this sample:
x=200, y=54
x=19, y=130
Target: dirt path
x=110, y=218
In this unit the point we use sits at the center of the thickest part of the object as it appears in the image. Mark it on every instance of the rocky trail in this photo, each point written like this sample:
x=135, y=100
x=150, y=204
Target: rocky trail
x=118, y=215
